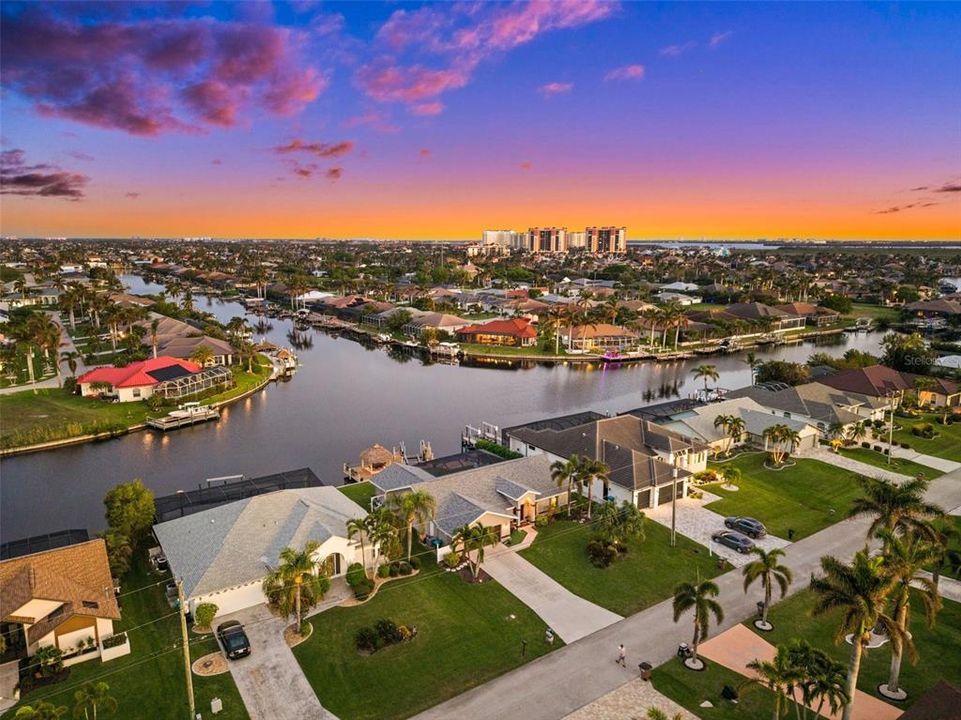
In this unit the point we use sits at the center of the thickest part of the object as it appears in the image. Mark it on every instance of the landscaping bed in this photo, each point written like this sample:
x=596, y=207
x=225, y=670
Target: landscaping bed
x=804, y=499
x=644, y=576
x=946, y=444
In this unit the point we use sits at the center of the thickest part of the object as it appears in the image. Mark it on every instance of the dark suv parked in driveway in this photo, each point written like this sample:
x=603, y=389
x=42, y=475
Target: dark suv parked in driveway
x=733, y=540
x=747, y=525
x=233, y=639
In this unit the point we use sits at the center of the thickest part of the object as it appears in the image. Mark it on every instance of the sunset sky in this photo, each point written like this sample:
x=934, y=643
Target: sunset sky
x=435, y=121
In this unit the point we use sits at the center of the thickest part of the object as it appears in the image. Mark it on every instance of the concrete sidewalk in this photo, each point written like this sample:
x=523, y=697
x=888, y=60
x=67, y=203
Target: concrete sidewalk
x=574, y=676
x=569, y=615
x=845, y=463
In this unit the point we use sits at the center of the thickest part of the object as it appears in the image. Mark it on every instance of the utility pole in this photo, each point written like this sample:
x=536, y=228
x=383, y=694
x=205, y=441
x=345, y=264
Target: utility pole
x=674, y=503
x=186, y=645
x=891, y=427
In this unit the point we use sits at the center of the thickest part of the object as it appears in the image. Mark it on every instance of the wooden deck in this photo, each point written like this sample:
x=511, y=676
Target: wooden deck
x=173, y=423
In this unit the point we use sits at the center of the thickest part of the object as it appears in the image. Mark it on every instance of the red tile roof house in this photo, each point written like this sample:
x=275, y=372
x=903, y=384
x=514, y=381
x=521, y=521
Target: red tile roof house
x=517, y=332
x=137, y=380
x=881, y=381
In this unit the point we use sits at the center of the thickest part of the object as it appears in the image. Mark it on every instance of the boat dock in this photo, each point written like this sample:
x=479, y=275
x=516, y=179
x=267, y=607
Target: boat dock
x=171, y=422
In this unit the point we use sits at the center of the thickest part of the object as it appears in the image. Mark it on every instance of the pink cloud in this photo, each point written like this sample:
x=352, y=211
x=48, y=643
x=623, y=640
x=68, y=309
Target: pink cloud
x=375, y=119
x=555, y=88
x=424, y=152
x=461, y=36
x=318, y=149
x=335, y=173
x=427, y=108
x=719, y=37
x=40, y=180
x=155, y=75
x=132, y=195
x=677, y=50
x=628, y=72
x=526, y=165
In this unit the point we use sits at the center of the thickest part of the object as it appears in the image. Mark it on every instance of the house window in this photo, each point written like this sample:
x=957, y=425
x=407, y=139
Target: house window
x=136, y=392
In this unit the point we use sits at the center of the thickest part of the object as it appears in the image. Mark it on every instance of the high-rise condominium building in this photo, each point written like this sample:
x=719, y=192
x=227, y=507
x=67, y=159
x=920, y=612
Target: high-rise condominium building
x=608, y=239
x=547, y=239
x=505, y=238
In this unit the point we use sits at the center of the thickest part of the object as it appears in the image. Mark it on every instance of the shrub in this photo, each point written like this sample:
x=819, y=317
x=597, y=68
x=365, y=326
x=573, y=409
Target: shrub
x=496, y=449
x=705, y=477
x=366, y=639
x=394, y=570
x=405, y=568
x=878, y=448
x=540, y=521
x=387, y=630
x=866, y=445
x=304, y=628
x=415, y=563
x=115, y=640
x=452, y=559
x=383, y=571
x=204, y=614
x=70, y=385
x=906, y=446
x=363, y=588
x=355, y=574
x=923, y=430
x=601, y=553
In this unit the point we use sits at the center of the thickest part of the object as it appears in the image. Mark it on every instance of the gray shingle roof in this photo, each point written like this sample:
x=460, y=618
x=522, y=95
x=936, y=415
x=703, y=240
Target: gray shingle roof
x=397, y=476
x=233, y=544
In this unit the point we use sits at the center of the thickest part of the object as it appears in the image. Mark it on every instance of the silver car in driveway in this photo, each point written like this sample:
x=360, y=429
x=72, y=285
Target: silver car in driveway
x=734, y=540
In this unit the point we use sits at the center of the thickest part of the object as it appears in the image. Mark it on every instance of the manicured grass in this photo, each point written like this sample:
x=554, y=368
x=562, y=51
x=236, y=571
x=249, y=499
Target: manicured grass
x=43, y=415
x=466, y=635
x=517, y=537
x=947, y=443
x=875, y=312
x=534, y=350
x=805, y=498
x=361, y=493
x=149, y=683
x=937, y=647
x=643, y=577
x=689, y=689
x=898, y=465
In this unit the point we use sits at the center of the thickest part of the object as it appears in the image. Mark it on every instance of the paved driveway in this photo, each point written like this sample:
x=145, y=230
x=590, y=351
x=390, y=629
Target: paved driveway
x=929, y=460
x=270, y=681
x=696, y=522
x=569, y=615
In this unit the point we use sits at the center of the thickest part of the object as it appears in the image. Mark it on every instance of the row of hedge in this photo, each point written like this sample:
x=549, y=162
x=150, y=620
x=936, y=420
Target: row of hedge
x=497, y=449
x=363, y=586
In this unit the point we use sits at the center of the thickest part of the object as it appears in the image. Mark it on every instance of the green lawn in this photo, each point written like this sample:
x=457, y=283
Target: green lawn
x=361, y=493
x=534, y=350
x=875, y=312
x=804, y=498
x=643, y=577
x=689, y=689
x=947, y=443
x=466, y=635
x=149, y=683
x=898, y=465
x=938, y=647
x=40, y=416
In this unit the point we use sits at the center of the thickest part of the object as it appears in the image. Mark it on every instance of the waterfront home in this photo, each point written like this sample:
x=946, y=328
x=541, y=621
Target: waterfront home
x=814, y=315
x=882, y=382
x=504, y=495
x=759, y=312
x=136, y=381
x=699, y=422
x=669, y=296
x=941, y=307
x=223, y=554
x=517, y=332
x=644, y=458
x=434, y=321
x=178, y=339
x=62, y=598
x=598, y=337
x=814, y=403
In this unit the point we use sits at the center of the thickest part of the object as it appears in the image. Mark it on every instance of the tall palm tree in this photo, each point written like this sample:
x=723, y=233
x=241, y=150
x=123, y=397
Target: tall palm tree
x=413, y=507
x=154, y=327
x=651, y=316
x=778, y=675
x=706, y=373
x=620, y=524
x=769, y=570
x=358, y=527
x=567, y=472
x=896, y=508
x=90, y=698
x=474, y=538
x=699, y=596
x=202, y=355
x=947, y=537
x=905, y=559
x=860, y=592
x=71, y=357
x=752, y=363
x=857, y=432
x=735, y=430
x=296, y=582
x=589, y=471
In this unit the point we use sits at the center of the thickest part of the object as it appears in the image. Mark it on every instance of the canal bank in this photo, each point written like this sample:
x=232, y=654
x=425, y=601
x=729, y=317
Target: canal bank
x=344, y=397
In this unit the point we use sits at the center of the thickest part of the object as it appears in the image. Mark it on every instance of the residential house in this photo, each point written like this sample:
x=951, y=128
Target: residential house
x=136, y=381
x=517, y=332
x=62, y=598
x=814, y=315
x=598, y=337
x=678, y=298
x=179, y=339
x=504, y=495
x=645, y=459
x=882, y=382
x=223, y=554
x=759, y=312
x=434, y=321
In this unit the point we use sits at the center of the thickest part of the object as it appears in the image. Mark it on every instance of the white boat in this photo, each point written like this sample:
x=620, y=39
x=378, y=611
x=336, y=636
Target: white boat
x=190, y=409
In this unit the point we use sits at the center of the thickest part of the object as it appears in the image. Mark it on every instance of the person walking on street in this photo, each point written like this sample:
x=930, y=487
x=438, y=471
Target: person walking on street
x=621, y=656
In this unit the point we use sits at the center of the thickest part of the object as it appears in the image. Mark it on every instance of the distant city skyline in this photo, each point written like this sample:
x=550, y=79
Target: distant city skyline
x=438, y=121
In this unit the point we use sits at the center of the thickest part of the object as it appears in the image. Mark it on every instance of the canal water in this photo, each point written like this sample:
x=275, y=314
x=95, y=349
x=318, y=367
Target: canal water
x=343, y=398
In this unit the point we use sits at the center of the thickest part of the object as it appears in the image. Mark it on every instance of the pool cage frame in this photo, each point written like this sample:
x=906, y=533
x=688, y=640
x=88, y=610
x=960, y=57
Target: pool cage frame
x=195, y=383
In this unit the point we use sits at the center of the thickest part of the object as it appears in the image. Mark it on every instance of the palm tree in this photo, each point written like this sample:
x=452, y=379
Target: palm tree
x=71, y=357
x=778, y=675
x=896, y=508
x=946, y=538
x=154, y=326
x=358, y=527
x=858, y=431
x=620, y=524
x=588, y=471
x=723, y=422
x=296, y=581
x=752, y=363
x=732, y=477
x=700, y=596
x=381, y=531
x=768, y=569
x=860, y=592
x=783, y=440
x=651, y=316
x=706, y=373
x=202, y=355
x=474, y=538
x=567, y=472
x=735, y=430
x=41, y=711
x=412, y=507
x=90, y=698
x=905, y=559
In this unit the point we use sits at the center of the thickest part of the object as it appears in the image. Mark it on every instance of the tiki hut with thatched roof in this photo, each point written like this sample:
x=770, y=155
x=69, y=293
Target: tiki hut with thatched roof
x=372, y=461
